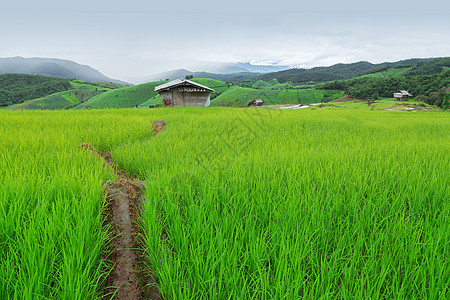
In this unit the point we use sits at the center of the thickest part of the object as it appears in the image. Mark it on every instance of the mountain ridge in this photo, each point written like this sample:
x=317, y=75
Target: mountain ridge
x=182, y=73
x=342, y=71
x=53, y=67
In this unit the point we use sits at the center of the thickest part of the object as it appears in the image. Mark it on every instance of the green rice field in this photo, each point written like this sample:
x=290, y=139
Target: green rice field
x=238, y=96
x=239, y=204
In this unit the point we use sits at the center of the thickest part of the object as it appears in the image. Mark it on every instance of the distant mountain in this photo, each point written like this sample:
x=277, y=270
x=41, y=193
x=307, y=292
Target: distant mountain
x=219, y=71
x=52, y=67
x=181, y=73
x=229, y=68
x=345, y=71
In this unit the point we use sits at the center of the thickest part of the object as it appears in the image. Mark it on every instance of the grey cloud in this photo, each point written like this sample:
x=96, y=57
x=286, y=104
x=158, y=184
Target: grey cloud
x=137, y=38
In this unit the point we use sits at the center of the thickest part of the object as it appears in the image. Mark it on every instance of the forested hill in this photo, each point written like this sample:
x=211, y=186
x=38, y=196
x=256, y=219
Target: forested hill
x=430, y=67
x=345, y=71
x=318, y=74
x=16, y=88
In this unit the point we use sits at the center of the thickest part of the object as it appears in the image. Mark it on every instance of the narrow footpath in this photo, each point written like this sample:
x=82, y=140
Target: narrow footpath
x=127, y=279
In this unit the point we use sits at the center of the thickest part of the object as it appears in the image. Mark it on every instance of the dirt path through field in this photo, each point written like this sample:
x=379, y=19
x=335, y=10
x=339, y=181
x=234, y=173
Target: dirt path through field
x=124, y=197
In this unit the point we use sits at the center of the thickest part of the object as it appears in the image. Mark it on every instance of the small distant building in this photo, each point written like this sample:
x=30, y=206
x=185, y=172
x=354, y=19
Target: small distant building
x=402, y=95
x=183, y=92
x=258, y=102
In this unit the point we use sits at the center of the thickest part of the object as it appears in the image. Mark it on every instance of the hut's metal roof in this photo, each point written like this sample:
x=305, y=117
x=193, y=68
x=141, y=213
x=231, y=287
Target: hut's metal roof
x=405, y=93
x=181, y=82
x=401, y=94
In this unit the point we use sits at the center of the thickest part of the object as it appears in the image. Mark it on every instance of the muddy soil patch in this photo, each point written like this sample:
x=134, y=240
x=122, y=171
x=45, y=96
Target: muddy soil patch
x=127, y=280
x=407, y=107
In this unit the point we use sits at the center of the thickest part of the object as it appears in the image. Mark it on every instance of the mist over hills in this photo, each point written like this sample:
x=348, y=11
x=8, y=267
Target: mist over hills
x=252, y=73
x=239, y=67
x=181, y=73
x=53, y=67
x=213, y=70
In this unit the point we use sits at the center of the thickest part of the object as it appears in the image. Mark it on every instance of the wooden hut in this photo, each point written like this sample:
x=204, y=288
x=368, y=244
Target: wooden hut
x=183, y=92
x=258, y=102
x=402, y=95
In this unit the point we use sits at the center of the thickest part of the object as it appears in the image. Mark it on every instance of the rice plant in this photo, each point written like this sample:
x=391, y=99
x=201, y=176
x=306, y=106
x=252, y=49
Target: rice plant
x=245, y=204
x=241, y=203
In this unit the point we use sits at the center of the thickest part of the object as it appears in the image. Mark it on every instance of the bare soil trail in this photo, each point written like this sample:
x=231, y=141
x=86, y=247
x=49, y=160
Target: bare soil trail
x=127, y=279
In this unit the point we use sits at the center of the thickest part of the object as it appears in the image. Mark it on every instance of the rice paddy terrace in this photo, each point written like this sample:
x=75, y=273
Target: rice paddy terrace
x=236, y=203
x=144, y=96
x=76, y=95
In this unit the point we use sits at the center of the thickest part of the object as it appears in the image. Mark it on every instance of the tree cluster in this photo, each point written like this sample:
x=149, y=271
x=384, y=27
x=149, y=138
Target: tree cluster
x=440, y=98
x=422, y=85
x=16, y=88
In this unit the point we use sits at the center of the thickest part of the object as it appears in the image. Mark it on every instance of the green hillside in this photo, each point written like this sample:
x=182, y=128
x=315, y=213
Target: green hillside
x=50, y=102
x=78, y=92
x=150, y=103
x=131, y=96
x=217, y=85
x=16, y=88
x=237, y=96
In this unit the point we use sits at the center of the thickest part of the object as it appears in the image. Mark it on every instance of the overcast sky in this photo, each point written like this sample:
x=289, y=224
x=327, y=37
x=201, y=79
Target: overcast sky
x=136, y=38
